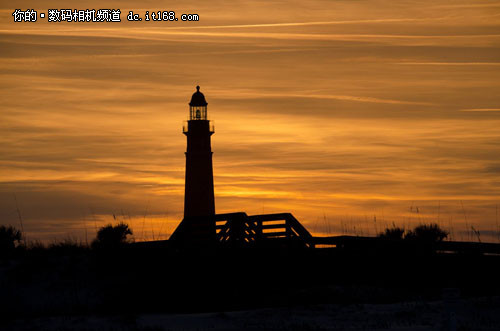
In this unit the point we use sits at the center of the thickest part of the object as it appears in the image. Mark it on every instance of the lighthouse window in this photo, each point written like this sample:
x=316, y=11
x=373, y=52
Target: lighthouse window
x=198, y=113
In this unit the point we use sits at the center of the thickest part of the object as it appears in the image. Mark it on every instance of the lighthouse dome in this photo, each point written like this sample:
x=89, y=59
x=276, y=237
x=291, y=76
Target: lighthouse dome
x=198, y=99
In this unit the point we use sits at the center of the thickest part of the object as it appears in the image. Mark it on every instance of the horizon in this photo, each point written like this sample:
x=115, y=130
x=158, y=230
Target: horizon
x=352, y=116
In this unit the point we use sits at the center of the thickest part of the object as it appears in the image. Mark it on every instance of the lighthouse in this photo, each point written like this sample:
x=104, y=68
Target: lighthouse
x=199, y=184
x=201, y=227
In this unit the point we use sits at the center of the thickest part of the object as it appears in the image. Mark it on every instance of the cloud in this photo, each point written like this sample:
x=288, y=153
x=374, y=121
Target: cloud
x=481, y=109
x=267, y=25
x=452, y=63
x=290, y=94
x=156, y=34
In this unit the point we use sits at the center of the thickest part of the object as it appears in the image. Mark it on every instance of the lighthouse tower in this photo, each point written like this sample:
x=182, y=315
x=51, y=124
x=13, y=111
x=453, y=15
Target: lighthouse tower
x=199, y=186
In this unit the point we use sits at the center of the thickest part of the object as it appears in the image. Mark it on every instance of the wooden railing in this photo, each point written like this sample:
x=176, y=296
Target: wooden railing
x=241, y=228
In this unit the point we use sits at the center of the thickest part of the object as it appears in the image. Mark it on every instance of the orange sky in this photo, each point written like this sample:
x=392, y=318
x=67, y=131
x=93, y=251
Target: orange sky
x=337, y=111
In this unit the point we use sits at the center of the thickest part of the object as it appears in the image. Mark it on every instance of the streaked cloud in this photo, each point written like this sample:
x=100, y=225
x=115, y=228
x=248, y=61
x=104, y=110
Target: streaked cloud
x=481, y=109
x=386, y=20
x=453, y=63
x=166, y=34
x=248, y=94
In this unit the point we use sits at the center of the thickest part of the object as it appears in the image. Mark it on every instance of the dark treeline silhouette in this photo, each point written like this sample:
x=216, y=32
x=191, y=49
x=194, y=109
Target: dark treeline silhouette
x=115, y=275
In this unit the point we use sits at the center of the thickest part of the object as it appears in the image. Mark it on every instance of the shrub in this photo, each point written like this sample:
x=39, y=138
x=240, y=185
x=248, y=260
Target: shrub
x=394, y=233
x=110, y=236
x=427, y=233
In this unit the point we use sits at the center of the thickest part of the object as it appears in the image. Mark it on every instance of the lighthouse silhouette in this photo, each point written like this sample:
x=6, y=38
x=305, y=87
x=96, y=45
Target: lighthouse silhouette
x=198, y=225
x=199, y=186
